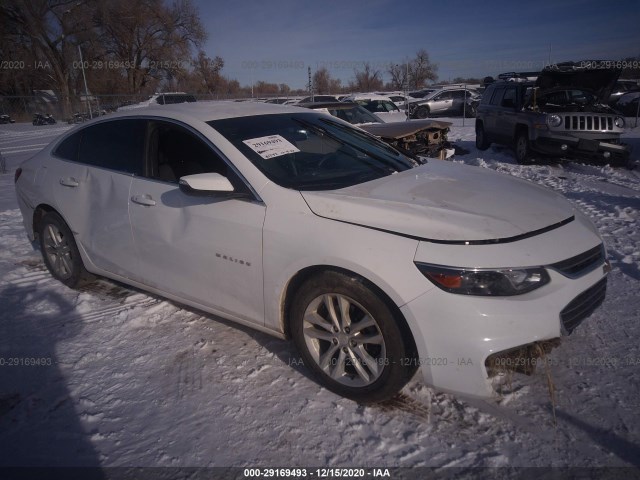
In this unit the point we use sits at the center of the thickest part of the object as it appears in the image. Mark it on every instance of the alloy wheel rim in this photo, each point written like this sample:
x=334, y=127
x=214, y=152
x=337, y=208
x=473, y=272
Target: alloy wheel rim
x=58, y=251
x=344, y=340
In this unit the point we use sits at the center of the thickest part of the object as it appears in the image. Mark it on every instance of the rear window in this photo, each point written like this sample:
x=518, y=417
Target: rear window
x=68, y=148
x=175, y=98
x=116, y=145
x=496, y=98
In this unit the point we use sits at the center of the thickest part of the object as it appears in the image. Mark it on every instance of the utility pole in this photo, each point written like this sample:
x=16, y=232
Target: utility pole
x=86, y=90
x=310, y=85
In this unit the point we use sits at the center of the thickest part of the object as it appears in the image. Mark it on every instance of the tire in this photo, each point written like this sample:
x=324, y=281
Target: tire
x=522, y=148
x=60, y=252
x=422, y=112
x=481, y=138
x=361, y=355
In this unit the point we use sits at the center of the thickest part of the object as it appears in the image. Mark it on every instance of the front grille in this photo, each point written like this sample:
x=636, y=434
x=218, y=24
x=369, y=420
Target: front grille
x=581, y=264
x=588, y=123
x=583, y=305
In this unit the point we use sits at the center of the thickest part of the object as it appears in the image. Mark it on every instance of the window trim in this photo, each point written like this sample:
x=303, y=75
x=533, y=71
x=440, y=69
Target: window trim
x=249, y=188
x=81, y=129
x=149, y=118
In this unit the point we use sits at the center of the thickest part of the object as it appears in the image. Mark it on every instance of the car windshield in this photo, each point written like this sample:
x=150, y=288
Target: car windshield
x=356, y=115
x=311, y=151
x=378, y=106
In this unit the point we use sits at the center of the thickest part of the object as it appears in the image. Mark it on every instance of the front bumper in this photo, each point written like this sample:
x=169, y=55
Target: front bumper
x=455, y=334
x=581, y=148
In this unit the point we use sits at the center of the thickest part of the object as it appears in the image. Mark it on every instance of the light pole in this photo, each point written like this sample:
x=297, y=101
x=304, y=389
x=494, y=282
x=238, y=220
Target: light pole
x=86, y=90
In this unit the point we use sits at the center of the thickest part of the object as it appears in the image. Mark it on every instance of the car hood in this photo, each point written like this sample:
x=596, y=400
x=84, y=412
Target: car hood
x=391, y=117
x=599, y=81
x=446, y=202
x=399, y=130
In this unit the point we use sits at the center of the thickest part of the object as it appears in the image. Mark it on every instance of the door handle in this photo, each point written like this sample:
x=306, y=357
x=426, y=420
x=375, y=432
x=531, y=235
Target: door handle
x=145, y=200
x=69, y=182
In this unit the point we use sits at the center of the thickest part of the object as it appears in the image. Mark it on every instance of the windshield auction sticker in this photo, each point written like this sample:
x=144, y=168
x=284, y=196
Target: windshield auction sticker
x=271, y=146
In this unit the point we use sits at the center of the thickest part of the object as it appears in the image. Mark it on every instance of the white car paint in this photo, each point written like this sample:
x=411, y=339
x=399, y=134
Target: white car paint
x=235, y=258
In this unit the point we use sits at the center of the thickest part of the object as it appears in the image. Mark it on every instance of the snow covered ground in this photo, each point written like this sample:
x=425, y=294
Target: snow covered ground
x=128, y=379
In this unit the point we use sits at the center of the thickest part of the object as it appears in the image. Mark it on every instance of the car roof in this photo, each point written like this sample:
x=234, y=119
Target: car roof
x=333, y=105
x=368, y=96
x=213, y=110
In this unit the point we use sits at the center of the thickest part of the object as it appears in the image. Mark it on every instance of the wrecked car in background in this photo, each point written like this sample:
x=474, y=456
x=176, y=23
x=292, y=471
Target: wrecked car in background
x=446, y=101
x=380, y=105
x=419, y=138
x=563, y=113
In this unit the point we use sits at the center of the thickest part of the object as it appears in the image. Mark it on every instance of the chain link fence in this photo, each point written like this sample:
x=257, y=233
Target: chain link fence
x=23, y=108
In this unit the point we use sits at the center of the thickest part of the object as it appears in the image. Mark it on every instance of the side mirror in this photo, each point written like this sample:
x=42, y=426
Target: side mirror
x=205, y=184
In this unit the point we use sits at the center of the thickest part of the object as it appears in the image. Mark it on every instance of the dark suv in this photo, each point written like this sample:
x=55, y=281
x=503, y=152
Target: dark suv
x=563, y=113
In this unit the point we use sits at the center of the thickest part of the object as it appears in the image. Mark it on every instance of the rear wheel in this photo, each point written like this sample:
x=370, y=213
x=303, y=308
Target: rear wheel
x=60, y=252
x=481, y=138
x=350, y=339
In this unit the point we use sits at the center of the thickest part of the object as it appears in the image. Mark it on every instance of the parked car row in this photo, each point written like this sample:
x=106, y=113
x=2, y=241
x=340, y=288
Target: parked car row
x=431, y=102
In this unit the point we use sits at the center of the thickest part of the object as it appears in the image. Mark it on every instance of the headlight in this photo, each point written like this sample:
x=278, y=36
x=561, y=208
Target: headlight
x=619, y=122
x=500, y=282
x=554, y=120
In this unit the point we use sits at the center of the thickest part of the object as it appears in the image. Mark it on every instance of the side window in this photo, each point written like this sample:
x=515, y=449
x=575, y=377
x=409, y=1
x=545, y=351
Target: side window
x=509, y=98
x=390, y=106
x=497, y=96
x=486, y=96
x=117, y=145
x=68, y=148
x=458, y=94
x=175, y=152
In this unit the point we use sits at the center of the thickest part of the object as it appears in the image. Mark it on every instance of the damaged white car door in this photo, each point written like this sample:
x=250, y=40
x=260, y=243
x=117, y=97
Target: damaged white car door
x=94, y=169
x=204, y=247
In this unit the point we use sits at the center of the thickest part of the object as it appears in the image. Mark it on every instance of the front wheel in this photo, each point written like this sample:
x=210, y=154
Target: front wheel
x=350, y=339
x=523, y=150
x=60, y=252
x=422, y=112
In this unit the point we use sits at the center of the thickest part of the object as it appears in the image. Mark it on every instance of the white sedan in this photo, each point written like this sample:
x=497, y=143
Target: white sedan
x=300, y=225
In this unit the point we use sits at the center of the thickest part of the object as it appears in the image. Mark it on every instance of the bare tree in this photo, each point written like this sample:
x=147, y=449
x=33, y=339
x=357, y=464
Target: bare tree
x=321, y=80
x=49, y=32
x=148, y=38
x=367, y=79
x=324, y=83
x=284, y=89
x=398, y=74
x=207, y=70
x=421, y=70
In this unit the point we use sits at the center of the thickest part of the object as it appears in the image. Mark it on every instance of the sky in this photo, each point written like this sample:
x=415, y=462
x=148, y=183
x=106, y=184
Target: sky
x=276, y=41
